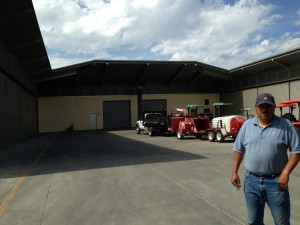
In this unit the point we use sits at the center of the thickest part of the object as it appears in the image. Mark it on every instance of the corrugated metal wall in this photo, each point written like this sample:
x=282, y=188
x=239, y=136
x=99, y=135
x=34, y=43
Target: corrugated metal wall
x=18, y=112
x=279, y=91
x=2, y=110
x=246, y=98
x=295, y=90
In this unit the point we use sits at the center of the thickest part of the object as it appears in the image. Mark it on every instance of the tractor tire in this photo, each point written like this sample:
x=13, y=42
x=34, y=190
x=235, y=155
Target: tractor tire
x=219, y=137
x=179, y=135
x=290, y=117
x=138, y=129
x=211, y=136
x=151, y=131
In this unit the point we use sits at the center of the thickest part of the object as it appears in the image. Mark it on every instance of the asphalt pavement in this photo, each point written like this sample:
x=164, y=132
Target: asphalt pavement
x=122, y=178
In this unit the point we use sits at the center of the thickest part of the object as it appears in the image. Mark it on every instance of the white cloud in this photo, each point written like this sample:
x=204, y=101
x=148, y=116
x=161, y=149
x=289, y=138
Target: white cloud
x=207, y=31
x=265, y=43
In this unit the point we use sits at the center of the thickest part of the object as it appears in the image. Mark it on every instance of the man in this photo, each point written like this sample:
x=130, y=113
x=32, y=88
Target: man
x=264, y=140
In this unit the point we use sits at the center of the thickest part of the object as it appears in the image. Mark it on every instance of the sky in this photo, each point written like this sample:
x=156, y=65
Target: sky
x=221, y=33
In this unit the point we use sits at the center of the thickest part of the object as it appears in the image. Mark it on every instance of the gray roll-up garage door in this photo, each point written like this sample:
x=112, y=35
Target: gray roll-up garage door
x=154, y=105
x=116, y=114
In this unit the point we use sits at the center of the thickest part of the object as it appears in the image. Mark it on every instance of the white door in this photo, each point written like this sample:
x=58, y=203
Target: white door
x=93, y=121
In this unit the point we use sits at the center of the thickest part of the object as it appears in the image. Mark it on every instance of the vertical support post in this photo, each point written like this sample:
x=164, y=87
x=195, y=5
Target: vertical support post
x=139, y=100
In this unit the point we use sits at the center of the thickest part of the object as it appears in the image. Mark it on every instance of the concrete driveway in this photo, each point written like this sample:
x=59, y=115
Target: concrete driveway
x=121, y=178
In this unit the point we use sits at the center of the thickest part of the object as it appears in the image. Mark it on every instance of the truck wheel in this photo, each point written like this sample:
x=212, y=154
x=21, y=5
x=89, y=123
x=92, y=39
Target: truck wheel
x=137, y=129
x=219, y=136
x=211, y=136
x=151, y=131
x=179, y=135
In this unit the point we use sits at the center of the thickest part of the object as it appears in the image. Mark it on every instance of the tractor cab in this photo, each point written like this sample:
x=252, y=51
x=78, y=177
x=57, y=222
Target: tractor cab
x=220, y=108
x=192, y=109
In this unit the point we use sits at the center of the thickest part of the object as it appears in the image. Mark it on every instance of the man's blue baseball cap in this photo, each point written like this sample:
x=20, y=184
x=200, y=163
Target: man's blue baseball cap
x=265, y=98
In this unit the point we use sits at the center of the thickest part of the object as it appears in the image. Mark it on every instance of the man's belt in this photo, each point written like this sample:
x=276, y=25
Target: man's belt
x=265, y=175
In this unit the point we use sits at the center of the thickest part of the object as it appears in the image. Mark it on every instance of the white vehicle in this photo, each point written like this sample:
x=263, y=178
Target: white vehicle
x=225, y=126
x=153, y=122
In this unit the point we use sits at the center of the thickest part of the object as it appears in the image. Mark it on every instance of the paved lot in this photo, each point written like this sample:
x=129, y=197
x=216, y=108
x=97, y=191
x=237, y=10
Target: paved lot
x=119, y=177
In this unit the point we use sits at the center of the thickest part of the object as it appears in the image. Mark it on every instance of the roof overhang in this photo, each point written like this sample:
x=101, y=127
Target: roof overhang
x=21, y=34
x=284, y=60
x=138, y=72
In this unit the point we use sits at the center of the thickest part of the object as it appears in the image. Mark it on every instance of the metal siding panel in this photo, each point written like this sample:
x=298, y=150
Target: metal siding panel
x=249, y=97
x=116, y=114
x=295, y=89
x=18, y=112
x=280, y=93
x=238, y=102
x=295, y=94
x=23, y=114
x=2, y=111
x=241, y=100
x=230, y=109
x=31, y=115
x=12, y=111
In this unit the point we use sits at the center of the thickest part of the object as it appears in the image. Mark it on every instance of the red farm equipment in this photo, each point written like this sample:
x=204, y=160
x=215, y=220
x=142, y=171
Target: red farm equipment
x=291, y=104
x=224, y=126
x=188, y=122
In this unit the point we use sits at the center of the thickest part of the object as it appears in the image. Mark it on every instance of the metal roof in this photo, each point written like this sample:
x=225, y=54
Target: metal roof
x=21, y=34
x=110, y=77
x=284, y=60
x=138, y=72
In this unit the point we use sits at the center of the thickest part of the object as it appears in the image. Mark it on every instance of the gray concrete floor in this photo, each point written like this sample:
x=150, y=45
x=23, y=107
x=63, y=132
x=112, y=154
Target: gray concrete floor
x=119, y=177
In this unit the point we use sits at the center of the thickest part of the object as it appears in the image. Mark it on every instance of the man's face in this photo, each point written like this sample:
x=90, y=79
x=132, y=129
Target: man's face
x=265, y=112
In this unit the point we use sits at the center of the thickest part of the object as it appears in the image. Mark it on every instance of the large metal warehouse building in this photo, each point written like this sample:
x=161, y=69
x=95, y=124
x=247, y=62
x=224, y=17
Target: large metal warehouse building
x=105, y=94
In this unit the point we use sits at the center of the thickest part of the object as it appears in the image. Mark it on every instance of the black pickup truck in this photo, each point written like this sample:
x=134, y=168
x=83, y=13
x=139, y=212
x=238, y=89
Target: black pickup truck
x=153, y=122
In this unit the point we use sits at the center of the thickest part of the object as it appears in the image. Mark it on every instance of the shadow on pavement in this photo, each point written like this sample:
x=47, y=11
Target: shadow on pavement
x=81, y=150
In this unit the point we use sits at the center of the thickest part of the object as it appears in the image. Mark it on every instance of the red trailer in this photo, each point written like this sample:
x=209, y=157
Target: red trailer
x=188, y=122
x=174, y=118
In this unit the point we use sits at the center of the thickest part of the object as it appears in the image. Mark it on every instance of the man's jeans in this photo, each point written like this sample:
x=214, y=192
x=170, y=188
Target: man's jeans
x=260, y=190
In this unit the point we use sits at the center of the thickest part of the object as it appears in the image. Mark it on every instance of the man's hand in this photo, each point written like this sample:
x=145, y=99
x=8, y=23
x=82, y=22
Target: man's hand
x=235, y=180
x=283, y=181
